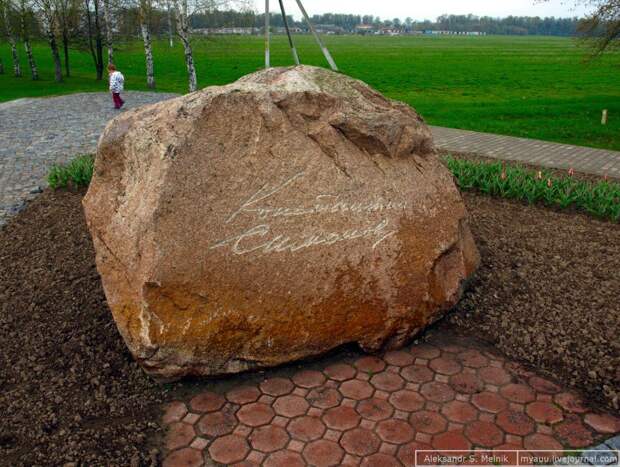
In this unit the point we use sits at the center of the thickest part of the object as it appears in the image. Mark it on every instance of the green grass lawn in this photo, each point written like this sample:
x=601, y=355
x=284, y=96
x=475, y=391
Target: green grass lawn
x=535, y=87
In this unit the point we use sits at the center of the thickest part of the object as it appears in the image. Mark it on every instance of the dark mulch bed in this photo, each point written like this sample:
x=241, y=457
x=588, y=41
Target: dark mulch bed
x=547, y=293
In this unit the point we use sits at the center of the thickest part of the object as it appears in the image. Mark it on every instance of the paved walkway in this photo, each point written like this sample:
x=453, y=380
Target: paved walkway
x=531, y=151
x=37, y=133
x=449, y=394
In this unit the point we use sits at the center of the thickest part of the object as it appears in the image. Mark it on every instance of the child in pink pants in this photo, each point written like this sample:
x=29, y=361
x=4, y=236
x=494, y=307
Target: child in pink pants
x=117, y=81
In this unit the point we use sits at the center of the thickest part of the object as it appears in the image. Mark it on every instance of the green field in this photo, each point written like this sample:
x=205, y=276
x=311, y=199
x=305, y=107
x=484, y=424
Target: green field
x=536, y=87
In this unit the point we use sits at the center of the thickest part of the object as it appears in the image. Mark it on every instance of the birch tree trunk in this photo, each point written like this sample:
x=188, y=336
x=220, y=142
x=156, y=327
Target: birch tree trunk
x=183, y=32
x=169, y=18
x=148, y=54
x=108, y=30
x=65, y=47
x=48, y=18
x=34, y=73
x=17, y=69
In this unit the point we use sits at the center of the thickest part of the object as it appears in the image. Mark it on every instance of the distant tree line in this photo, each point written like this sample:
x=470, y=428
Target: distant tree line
x=96, y=25
x=513, y=25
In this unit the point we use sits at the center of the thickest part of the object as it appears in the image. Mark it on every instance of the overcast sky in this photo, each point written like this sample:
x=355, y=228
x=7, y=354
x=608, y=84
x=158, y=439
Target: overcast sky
x=430, y=9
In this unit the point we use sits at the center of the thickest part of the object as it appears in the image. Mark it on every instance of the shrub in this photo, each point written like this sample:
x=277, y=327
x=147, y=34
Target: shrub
x=600, y=199
x=76, y=173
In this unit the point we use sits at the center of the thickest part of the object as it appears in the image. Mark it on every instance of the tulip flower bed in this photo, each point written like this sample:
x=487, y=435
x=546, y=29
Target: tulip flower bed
x=600, y=199
x=76, y=173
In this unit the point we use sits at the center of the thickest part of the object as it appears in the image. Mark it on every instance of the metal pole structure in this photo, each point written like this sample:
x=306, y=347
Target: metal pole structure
x=288, y=33
x=326, y=53
x=267, y=37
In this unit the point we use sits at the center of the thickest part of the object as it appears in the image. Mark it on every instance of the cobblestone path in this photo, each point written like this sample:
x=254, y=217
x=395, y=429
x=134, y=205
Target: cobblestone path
x=531, y=151
x=37, y=133
x=449, y=394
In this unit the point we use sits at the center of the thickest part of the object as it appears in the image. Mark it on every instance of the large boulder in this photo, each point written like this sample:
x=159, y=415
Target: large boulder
x=278, y=217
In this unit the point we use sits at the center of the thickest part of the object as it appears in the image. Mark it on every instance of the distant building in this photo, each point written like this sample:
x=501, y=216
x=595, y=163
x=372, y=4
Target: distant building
x=329, y=29
x=217, y=31
x=365, y=29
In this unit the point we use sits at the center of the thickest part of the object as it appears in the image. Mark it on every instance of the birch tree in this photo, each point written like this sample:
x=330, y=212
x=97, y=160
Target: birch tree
x=183, y=31
x=49, y=22
x=184, y=10
x=8, y=30
x=144, y=14
x=107, y=18
x=95, y=38
x=169, y=20
x=67, y=14
x=25, y=15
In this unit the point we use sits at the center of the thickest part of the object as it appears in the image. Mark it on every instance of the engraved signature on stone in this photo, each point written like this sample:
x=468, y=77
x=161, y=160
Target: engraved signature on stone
x=250, y=240
x=325, y=203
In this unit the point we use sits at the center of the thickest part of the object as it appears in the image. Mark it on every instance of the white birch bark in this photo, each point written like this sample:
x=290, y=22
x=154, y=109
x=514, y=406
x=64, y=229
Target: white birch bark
x=183, y=31
x=17, y=69
x=148, y=54
x=107, y=18
x=34, y=72
x=169, y=18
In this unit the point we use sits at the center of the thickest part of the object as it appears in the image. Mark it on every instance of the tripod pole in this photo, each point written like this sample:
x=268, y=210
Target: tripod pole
x=288, y=33
x=326, y=53
x=267, y=36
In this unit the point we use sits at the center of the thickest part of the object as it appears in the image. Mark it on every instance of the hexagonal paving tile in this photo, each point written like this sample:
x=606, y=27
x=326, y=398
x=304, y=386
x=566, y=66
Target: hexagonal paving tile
x=309, y=379
x=323, y=453
x=277, y=386
x=570, y=402
x=387, y=381
x=186, y=457
x=229, y=449
x=437, y=392
x=269, y=438
x=516, y=423
x=398, y=358
x=489, y=402
x=417, y=374
x=485, y=434
x=255, y=414
x=374, y=409
x=380, y=460
x=407, y=452
x=360, y=442
x=207, y=402
x=174, y=412
x=494, y=375
x=370, y=364
x=290, y=406
x=459, y=412
x=544, y=412
x=472, y=358
x=356, y=389
x=306, y=428
x=544, y=385
x=573, y=432
x=603, y=423
x=179, y=435
x=395, y=431
x=425, y=351
x=450, y=441
x=341, y=418
x=518, y=393
x=324, y=397
x=428, y=422
x=243, y=395
x=466, y=383
x=340, y=372
x=445, y=365
x=284, y=458
x=407, y=400
x=217, y=423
